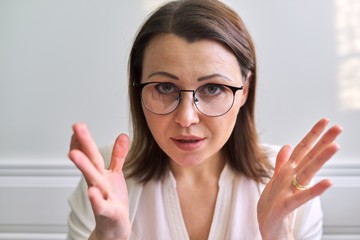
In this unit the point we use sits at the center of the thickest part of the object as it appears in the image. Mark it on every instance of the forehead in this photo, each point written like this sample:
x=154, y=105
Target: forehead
x=173, y=54
x=171, y=44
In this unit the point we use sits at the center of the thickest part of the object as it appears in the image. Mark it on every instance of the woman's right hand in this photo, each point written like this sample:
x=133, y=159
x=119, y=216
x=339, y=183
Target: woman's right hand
x=106, y=187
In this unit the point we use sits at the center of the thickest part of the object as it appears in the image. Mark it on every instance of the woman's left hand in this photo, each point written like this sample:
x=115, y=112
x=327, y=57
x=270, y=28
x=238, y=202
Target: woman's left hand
x=294, y=170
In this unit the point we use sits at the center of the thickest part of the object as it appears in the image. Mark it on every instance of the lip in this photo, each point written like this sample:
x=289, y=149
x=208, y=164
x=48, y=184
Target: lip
x=188, y=143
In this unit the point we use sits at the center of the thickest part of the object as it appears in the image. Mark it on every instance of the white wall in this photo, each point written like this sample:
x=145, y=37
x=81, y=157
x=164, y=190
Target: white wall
x=65, y=61
x=309, y=67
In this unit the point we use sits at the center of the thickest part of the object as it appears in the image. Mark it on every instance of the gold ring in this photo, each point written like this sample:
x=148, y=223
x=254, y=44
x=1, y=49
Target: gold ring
x=297, y=185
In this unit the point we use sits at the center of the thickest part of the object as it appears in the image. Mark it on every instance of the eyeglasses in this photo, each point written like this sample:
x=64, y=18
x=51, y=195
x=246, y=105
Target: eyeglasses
x=211, y=99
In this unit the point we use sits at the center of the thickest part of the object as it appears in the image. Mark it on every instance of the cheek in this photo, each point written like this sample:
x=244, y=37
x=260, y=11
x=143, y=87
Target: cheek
x=240, y=100
x=238, y=103
x=230, y=121
x=156, y=123
x=232, y=116
x=227, y=123
x=151, y=121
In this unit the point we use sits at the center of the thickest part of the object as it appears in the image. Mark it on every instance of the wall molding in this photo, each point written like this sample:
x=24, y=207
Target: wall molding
x=29, y=167
x=341, y=169
x=65, y=168
x=38, y=191
x=34, y=193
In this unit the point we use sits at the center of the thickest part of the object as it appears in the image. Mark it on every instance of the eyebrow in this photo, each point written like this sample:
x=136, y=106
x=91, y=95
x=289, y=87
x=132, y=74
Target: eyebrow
x=213, y=76
x=166, y=74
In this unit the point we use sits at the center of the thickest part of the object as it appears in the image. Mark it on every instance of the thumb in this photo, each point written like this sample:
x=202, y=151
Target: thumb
x=120, y=150
x=282, y=157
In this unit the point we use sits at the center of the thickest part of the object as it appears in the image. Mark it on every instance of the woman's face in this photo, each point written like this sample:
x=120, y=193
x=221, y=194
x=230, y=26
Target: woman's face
x=187, y=136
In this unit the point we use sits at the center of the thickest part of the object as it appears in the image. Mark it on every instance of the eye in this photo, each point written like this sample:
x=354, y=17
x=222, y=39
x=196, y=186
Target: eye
x=165, y=88
x=211, y=89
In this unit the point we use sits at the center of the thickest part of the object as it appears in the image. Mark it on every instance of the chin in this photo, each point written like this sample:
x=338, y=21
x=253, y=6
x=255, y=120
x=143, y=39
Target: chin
x=188, y=161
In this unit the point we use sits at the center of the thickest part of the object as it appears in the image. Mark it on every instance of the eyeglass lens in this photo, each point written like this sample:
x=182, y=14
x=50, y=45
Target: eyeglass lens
x=210, y=99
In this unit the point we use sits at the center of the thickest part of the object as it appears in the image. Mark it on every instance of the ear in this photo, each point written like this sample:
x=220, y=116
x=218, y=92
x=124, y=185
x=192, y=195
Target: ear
x=246, y=88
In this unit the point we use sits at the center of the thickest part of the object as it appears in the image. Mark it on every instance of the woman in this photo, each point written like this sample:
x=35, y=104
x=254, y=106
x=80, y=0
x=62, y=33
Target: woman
x=195, y=169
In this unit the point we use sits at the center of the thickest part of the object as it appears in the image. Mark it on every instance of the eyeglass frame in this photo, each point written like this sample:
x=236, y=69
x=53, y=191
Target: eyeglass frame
x=179, y=91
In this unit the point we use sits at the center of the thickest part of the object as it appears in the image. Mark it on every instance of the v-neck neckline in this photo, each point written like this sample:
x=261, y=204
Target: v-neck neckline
x=222, y=209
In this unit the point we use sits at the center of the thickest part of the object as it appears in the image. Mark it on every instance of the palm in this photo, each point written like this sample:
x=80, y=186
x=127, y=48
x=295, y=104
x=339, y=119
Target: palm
x=279, y=199
x=107, y=188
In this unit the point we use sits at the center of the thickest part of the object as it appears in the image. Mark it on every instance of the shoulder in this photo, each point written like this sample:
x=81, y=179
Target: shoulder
x=271, y=151
x=106, y=152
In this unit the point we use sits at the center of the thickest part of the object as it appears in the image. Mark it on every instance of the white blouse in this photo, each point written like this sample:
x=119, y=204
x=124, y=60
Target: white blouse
x=155, y=211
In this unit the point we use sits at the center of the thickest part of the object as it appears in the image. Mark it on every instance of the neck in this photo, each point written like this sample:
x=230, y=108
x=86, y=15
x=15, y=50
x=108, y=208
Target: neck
x=206, y=172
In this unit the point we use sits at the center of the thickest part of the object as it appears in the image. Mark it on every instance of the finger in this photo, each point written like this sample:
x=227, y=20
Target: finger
x=300, y=198
x=307, y=142
x=91, y=174
x=74, y=143
x=327, y=139
x=282, y=157
x=308, y=171
x=101, y=205
x=88, y=146
x=120, y=150
x=98, y=201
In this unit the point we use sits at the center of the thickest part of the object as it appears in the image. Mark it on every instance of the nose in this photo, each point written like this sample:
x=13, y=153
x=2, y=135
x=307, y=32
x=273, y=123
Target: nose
x=186, y=113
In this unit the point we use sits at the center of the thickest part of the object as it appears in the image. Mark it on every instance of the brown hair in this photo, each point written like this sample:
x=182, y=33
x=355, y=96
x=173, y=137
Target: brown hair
x=194, y=20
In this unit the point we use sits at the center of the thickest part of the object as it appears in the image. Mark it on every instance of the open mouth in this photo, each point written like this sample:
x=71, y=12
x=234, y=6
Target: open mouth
x=189, y=144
